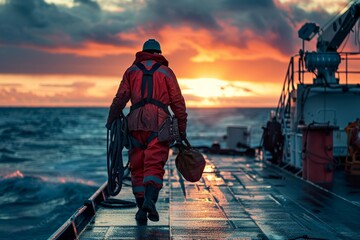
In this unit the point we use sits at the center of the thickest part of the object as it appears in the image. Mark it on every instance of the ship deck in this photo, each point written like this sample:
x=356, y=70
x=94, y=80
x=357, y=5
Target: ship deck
x=237, y=198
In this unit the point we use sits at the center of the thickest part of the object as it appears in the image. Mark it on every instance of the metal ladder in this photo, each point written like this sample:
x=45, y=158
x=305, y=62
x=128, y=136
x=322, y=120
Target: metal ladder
x=283, y=109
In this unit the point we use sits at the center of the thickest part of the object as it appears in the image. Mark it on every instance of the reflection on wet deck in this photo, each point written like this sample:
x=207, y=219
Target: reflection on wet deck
x=237, y=198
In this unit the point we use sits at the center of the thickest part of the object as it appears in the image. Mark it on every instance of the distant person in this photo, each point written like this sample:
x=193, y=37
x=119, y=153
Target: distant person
x=150, y=101
x=353, y=131
x=273, y=138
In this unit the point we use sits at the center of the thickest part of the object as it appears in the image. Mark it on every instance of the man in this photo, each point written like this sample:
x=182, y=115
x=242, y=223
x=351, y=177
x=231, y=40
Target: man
x=353, y=131
x=151, y=86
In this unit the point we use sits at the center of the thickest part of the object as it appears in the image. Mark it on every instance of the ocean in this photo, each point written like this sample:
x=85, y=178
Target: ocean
x=52, y=159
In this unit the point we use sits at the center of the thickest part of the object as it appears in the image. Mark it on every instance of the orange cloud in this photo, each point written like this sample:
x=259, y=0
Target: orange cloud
x=90, y=49
x=210, y=49
x=52, y=90
x=89, y=91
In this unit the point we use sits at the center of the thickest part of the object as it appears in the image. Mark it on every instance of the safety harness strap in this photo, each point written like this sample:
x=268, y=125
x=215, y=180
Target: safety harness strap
x=148, y=79
x=137, y=144
x=152, y=101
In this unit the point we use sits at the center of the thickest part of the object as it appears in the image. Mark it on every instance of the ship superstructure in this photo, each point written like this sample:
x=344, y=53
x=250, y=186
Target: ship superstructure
x=328, y=99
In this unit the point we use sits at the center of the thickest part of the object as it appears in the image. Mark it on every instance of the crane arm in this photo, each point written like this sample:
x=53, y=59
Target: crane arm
x=331, y=38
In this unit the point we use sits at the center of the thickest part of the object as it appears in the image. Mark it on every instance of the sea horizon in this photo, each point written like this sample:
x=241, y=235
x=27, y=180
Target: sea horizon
x=215, y=107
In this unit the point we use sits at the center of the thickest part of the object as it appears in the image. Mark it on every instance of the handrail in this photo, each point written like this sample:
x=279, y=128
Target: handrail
x=284, y=103
x=78, y=221
x=288, y=86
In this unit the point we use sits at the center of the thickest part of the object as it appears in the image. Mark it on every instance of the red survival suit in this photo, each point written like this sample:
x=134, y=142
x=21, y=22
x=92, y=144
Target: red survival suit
x=147, y=165
x=353, y=131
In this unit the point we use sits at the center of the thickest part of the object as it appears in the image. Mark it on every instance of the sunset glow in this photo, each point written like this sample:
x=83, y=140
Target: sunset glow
x=210, y=92
x=65, y=90
x=224, y=53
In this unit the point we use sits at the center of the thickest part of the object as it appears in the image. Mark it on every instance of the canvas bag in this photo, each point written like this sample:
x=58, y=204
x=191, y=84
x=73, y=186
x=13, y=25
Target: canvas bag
x=190, y=162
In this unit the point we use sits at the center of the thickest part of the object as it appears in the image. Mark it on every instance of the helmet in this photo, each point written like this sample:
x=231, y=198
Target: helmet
x=152, y=45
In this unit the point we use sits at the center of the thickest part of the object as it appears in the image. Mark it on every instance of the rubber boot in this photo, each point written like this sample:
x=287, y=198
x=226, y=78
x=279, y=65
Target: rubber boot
x=140, y=215
x=151, y=196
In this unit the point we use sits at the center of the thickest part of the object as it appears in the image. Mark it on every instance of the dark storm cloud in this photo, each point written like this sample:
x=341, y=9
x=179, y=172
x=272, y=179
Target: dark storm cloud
x=236, y=5
x=262, y=17
x=19, y=18
x=39, y=26
x=265, y=19
x=197, y=14
x=273, y=25
x=28, y=61
x=320, y=17
x=35, y=23
x=89, y=3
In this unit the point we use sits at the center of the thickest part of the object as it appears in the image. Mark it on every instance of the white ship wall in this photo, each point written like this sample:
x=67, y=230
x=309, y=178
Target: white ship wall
x=335, y=106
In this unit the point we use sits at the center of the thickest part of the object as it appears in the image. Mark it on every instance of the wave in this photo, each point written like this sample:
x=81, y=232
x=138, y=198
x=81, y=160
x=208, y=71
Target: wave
x=6, y=150
x=32, y=202
x=14, y=131
x=43, y=142
x=5, y=158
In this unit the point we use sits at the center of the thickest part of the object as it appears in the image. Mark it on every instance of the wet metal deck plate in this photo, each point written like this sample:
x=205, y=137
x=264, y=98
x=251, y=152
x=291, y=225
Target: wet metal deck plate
x=237, y=198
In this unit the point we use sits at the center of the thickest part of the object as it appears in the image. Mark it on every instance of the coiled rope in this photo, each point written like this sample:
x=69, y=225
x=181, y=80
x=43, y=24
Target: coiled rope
x=116, y=140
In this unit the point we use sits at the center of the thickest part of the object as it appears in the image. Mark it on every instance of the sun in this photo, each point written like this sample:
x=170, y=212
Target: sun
x=214, y=92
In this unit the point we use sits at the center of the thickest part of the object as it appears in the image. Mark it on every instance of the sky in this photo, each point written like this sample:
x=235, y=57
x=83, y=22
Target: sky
x=225, y=53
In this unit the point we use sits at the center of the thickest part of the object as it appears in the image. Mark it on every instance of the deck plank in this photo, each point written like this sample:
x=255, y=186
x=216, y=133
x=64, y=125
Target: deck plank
x=237, y=198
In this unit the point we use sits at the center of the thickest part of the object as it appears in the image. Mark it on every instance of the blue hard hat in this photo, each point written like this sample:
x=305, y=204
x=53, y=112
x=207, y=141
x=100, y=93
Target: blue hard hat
x=152, y=45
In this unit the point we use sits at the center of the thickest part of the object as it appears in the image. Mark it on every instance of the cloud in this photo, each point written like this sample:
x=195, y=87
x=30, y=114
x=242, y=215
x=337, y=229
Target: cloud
x=37, y=24
x=29, y=61
x=87, y=29
x=328, y=6
x=80, y=88
x=89, y=3
x=224, y=29
x=10, y=84
x=77, y=95
x=61, y=90
x=238, y=88
x=197, y=14
x=57, y=85
x=204, y=38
